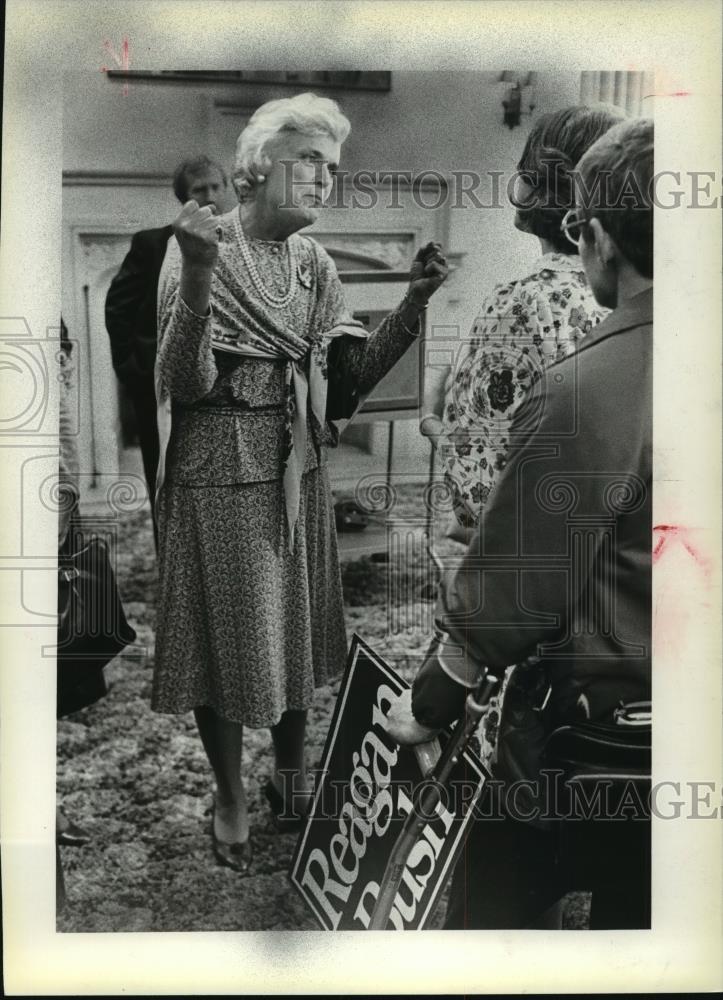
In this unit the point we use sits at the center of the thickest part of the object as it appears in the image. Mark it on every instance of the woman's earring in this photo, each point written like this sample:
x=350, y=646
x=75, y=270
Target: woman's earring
x=261, y=178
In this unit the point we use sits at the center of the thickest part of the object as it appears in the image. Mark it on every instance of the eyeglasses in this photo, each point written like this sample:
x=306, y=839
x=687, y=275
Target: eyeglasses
x=571, y=226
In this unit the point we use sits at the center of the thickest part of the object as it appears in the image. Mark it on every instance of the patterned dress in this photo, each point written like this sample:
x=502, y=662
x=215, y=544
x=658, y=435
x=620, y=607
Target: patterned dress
x=522, y=328
x=245, y=625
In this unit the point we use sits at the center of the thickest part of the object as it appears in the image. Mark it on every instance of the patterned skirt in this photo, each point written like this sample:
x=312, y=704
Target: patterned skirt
x=245, y=626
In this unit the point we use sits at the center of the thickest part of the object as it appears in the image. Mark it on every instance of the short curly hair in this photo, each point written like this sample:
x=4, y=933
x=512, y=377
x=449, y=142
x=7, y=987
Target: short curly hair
x=622, y=160
x=305, y=113
x=193, y=168
x=553, y=148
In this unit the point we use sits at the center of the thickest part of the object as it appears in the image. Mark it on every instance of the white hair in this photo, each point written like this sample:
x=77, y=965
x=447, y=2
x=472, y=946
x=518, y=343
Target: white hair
x=307, y=114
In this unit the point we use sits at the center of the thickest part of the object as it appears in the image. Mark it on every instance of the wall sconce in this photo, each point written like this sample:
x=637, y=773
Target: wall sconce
x=519, y=97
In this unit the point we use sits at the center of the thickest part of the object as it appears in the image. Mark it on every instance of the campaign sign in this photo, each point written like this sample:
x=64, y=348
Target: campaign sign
x=366, y=787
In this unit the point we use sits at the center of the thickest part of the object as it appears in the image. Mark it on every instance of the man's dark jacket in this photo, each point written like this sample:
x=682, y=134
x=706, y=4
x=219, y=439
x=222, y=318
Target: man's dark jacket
x=130, y=318
x=130, y=310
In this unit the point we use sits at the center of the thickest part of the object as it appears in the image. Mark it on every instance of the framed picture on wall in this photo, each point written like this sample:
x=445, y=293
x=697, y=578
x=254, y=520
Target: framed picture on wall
x=371, y=295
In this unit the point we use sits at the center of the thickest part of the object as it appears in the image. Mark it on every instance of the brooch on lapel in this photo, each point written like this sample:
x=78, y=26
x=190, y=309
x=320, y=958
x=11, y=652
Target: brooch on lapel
x=305, y=274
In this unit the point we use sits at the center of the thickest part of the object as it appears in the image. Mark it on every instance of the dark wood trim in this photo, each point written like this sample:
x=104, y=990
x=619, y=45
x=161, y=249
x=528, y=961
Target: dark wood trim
x=377, y=80
x=112, y=178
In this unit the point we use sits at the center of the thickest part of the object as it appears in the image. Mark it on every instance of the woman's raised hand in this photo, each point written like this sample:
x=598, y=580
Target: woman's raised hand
x=198, y=234
x=429, y=269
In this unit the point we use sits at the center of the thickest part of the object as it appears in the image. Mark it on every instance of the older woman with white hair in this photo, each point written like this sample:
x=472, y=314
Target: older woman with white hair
x=257, y=353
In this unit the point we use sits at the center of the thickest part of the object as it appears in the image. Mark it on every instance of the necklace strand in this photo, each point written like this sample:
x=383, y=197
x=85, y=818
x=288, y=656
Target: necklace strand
x=275, y=301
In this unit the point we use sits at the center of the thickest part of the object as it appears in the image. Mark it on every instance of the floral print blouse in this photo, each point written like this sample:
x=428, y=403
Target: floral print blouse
x=523, y=327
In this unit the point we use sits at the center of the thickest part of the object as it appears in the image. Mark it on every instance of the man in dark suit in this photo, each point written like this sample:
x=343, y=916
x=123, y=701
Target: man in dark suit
x=130, y=306
x=558, y=580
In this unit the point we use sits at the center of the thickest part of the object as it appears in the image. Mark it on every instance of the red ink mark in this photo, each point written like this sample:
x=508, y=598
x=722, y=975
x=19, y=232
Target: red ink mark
x=664, y=533
x=673, y=93
x=122, y=61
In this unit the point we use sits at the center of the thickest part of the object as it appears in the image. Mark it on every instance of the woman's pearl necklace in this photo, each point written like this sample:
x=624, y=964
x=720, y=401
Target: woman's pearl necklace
x=275, y=301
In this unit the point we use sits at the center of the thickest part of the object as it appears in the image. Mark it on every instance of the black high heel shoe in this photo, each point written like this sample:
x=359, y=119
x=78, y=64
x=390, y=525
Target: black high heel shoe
x=69, y=834
x=236, y=856
x=284, y=819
